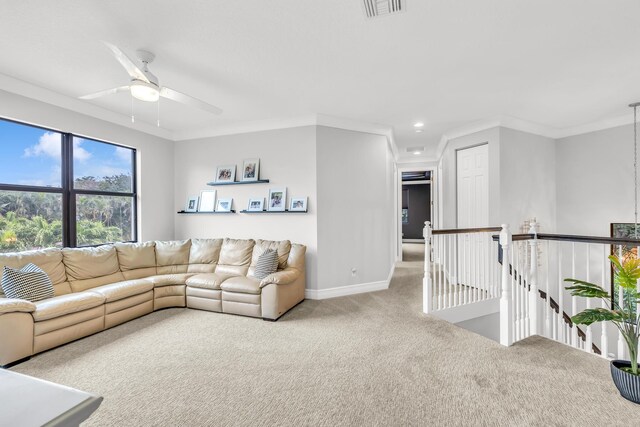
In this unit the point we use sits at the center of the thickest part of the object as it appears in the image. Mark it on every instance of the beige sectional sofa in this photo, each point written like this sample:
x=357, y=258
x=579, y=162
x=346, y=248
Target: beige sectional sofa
x=101, y=287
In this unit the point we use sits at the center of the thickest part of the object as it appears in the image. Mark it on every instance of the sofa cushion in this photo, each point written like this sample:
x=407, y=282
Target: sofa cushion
x=267, y=263
x=121, y=290
x=49, y=260
x=242, y=284
x=170, y=279
x=137, y=260
x=235, y=256
x=283, y=247
x=30, y=283
x=203, y=255
x=172, y=256
x=207, y=280
x=90, y=263
x=66, y=304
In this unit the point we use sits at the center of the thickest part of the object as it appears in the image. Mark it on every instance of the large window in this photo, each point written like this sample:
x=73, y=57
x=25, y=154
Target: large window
x=57, y=189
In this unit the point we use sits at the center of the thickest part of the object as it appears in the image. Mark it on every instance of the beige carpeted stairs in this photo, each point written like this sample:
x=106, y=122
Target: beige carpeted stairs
x=370, y=359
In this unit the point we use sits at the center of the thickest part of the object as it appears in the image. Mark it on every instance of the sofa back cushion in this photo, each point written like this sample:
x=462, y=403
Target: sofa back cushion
x=297, y=257
x=90, y=267
x=235, y=256
x=137, y=260
x=173, y=256
x=49, y=260
x=282, y=247
x=203, y=255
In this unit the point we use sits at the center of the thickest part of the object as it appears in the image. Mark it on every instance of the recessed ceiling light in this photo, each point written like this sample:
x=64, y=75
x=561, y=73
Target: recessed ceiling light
x=418, y=130
x=417, y=153
x=418, y=125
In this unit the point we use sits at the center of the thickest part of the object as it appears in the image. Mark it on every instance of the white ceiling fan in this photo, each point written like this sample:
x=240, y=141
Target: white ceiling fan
x=144, y=84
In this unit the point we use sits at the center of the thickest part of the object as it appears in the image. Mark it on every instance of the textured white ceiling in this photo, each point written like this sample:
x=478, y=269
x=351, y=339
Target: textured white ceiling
x=447, y=63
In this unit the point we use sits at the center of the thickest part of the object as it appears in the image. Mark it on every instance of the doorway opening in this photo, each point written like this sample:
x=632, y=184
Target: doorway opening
x=416, y=205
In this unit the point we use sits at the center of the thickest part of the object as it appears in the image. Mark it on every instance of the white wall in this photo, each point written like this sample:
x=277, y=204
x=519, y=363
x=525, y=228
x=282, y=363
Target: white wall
x=594, y=181
x=356, y=208
x=449, y=193
x=527, y=179
x=155, y=156
x=287, y=159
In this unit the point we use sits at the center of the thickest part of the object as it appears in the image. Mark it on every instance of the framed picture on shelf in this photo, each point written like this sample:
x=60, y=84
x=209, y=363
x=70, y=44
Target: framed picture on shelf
x=224, y=205
x=192, y=204
x=298, y=204
x=256, y=205
x=226, y=173
x=207, y=201
x=251, y=169
x=277, y=199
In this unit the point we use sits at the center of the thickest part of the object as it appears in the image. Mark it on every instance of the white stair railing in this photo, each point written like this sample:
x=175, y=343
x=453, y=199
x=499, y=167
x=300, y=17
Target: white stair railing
x=460, y=270
x=534, y=300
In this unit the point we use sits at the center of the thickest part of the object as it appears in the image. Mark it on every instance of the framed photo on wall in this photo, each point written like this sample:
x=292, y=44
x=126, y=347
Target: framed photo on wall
x=277, y=199
x=256, y=205
x=298, y=204
x=192, y=204
x=251, y=169
x=224, y=205
x=207, y=201
x=226, y=173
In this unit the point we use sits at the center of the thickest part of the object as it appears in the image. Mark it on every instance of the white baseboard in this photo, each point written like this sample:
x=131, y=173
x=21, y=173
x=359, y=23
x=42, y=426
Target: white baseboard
x=342, y=291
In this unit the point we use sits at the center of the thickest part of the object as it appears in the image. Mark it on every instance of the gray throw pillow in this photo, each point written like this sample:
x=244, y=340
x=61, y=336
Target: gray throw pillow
x=30, y=283
x=267, y=263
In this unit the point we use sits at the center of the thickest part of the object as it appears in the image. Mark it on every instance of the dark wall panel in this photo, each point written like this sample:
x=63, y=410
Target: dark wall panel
x=417, y=199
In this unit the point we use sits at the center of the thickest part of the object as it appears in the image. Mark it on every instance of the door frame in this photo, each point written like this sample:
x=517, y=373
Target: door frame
x=434, y=200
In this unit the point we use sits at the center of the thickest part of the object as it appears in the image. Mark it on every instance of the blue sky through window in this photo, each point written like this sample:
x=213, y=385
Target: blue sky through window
x=32, y=156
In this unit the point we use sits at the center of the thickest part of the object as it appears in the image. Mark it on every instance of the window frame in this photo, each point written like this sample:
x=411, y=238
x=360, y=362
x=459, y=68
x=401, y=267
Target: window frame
x=69, y=193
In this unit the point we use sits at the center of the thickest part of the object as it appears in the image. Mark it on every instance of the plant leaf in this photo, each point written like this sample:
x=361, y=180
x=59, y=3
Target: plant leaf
x=592, y=315
x=586, y=289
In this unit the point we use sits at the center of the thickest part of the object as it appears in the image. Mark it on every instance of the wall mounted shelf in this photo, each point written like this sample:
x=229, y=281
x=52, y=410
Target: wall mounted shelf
x=204, y=213
x=260, y=181
x=273, y=212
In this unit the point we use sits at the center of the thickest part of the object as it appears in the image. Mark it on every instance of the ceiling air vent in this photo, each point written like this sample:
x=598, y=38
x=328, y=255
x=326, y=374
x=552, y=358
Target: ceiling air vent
x=373, y=8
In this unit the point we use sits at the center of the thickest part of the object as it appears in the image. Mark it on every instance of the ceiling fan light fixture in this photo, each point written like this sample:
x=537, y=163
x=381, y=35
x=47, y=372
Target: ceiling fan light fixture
x=145, y=91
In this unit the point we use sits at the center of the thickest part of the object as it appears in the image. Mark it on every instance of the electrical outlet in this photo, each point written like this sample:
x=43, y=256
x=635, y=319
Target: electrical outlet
x=354, y=272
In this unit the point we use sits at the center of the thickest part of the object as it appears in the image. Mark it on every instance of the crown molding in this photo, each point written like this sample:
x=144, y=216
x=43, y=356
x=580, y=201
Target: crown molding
x=530, y=127
x=29, y=90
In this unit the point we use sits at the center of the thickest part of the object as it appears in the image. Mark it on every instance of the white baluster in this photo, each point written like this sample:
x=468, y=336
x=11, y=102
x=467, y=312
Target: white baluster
x=547, y=304
x=589, y=333
x=506, y=308
x=561, y=330
x=621, y=342
x=604, y=336
x=574, y=299
x=427, y=284
x=533, y=280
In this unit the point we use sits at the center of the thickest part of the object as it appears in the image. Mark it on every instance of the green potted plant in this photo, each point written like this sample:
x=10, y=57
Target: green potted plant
x=623, y=315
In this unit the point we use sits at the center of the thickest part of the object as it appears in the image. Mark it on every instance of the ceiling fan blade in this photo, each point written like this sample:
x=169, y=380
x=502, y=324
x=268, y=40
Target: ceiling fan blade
x=127, y=63
x=174, y=95
x=105, y=92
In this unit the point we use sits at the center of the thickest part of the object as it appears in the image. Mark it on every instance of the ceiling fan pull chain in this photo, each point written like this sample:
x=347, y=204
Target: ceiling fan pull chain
x=133, y=119
x=158, y=122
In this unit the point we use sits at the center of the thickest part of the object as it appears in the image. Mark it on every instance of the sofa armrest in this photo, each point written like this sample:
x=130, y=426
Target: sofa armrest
x=283, y=277
x=11, y=305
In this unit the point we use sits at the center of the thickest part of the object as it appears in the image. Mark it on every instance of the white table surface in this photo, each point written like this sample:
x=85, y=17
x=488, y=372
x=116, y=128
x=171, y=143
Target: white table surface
x=27, y=401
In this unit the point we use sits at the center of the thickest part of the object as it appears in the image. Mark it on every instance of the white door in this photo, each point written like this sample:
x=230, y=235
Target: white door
x=472, y=165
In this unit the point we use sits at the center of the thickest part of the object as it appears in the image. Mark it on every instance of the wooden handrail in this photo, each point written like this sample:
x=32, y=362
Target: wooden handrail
x=466, y=230
x=574, y=238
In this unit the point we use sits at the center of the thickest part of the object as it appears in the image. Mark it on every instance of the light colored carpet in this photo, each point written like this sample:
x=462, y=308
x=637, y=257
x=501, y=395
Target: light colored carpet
x=371, y=359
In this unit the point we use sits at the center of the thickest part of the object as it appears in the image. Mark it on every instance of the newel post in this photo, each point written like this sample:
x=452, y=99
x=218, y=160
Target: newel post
x=533, y=281
x=506, y=307
x=427, y=283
